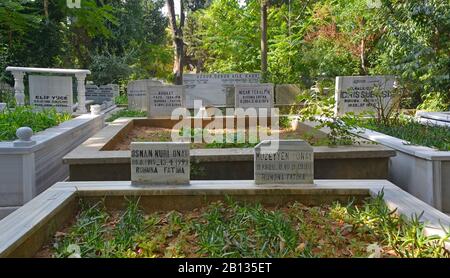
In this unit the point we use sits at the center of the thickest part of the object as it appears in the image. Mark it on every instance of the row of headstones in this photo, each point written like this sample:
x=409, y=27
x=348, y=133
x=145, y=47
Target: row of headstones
x=353, y=93
x=161, y=100
x=275, y=162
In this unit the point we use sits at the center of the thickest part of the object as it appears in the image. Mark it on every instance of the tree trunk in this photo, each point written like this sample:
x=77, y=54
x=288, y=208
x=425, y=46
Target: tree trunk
x=46, y=9
x=264, y=5
x=177, y=37
x=363, y=51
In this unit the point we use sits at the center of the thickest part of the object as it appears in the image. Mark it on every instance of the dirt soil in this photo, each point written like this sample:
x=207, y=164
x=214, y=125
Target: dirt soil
x=155, y=134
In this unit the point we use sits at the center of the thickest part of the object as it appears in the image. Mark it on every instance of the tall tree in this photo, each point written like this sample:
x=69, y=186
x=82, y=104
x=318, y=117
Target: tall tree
x=264, y=6
x=177, y=38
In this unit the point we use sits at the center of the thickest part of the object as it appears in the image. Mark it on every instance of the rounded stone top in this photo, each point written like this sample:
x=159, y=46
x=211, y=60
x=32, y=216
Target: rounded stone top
x=24, y=133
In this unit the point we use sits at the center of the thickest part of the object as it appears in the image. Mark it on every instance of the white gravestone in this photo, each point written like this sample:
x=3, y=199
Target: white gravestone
x=162, y=100
x=51, y=91
x=360, y=94
x=137, y=93
x=288, y=162
x=254, y=96
x=157, y=163
x=213, y=88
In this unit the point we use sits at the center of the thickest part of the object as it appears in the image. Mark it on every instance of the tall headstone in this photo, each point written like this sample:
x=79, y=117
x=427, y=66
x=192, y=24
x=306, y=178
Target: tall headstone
x=160, y=163
x=162, y=100
x=360, y=94
x=213, y=89
x=51, y=91
x=137, y=93
x=254, y=96
x=284, y=162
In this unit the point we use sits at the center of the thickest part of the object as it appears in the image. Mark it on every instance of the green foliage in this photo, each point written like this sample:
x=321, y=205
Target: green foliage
x=12, y=119
x=115, y=39
x=121, y=99
x=236, y=139
x=435, y=102
x=126, y=113
x=405, y=236
x=319, y=107
x=87, y=233
x=7, y=96
x=229, y=37
x=285, y=121
x=309, y=40
x=226, y=230
x=238, y=230
x=107, y=69
x=408, y=129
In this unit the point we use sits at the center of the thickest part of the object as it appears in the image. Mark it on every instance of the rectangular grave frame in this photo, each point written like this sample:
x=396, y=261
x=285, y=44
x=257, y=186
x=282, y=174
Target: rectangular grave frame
x=24, y=231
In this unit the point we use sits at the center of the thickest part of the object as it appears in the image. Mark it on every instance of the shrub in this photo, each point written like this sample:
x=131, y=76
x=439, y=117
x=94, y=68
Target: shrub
x=12, y=119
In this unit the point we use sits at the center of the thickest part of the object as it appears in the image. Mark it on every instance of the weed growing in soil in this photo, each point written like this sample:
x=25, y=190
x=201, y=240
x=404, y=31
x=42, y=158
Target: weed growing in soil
x=235, y=230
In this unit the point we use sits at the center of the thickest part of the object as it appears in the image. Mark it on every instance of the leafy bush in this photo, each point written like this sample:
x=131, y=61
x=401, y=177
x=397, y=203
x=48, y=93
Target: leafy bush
x=126, y=113
x=319, y=107
x=7, y=96
x=121, y=99
x=12, y=119
x=108, y=69
x=285, y=121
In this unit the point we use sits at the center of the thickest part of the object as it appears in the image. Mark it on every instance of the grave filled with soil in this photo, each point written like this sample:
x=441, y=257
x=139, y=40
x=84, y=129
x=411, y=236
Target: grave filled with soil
x=236, y=138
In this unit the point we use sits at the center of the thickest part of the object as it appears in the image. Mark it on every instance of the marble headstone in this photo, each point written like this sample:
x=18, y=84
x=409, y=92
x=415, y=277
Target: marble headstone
x=162, y=100
x=213, y=89
x=137, y=93
x=288, y=162
x=51, y=91
x=358, y=94
x=158, y=163
x=254, y=96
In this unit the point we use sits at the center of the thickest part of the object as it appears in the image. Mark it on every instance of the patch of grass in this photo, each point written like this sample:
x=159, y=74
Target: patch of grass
x=126, y=113
x=121, y=99
x=234, y=230
x=285, y=121
x=405, y=236
x=12, y=119
x=432, y=136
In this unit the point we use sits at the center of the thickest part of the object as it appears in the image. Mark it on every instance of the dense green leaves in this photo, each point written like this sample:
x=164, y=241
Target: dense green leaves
x=12, y=119
x=114, y=39
x=307, y=40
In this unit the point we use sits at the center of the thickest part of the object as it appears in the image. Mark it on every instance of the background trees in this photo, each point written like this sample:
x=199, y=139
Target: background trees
x=306, y=41
x=116, y=39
